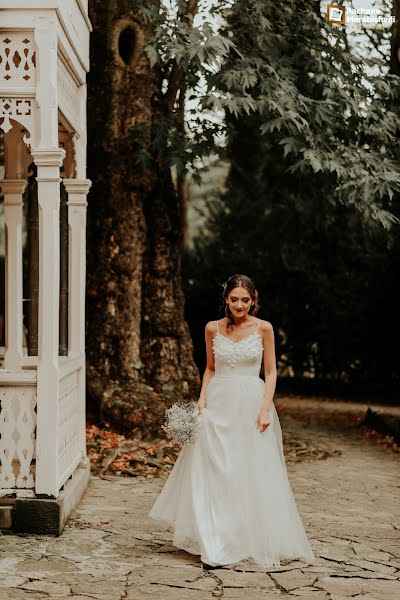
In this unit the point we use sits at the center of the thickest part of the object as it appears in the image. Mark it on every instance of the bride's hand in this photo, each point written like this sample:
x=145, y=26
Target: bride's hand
x=263, y=420
x=200, y=405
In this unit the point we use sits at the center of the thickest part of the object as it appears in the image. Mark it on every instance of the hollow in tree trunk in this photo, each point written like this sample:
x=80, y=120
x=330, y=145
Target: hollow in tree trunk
x=139, y=350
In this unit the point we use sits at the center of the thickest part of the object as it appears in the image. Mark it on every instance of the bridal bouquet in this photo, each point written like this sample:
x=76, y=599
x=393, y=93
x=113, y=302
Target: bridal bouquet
x=182, y=423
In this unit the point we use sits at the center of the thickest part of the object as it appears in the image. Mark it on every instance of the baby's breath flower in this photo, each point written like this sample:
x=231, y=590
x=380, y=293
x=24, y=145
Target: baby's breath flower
x=182, y=423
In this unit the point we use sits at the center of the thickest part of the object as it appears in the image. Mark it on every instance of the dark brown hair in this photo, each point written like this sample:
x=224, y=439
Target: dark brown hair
x=239, y=281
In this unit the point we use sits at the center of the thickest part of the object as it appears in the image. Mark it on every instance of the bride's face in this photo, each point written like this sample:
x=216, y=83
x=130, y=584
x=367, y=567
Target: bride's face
x=239, y=301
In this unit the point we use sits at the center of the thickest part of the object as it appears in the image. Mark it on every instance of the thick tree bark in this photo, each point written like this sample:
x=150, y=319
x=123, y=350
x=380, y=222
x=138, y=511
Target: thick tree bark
x=139, y=350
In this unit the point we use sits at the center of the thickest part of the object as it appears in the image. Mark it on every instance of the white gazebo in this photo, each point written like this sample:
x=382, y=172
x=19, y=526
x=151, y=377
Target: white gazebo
x=44, y=58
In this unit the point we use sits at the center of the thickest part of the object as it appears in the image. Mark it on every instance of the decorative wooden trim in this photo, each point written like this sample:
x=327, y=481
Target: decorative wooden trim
x=18, y=57
x=68, y=93
x=8, y=377
x=84, y=14
x=69, y=37
x=70, y=364
x=77, y=186
x=17, y=92
x=12, y=187
x=17, y=414
x=20, y=110
x=48, y=158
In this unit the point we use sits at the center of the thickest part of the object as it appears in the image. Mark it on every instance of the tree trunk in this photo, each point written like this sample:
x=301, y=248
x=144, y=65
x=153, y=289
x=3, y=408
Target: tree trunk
x=139, y=350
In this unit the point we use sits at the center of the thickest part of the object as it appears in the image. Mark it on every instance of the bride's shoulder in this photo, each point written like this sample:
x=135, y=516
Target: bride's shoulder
x=211, y=327
x=266, y=327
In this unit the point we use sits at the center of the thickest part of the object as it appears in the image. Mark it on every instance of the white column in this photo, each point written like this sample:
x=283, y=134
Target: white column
x=48, y=164
x=77, y=190
x=46, y=117
x=13, y=190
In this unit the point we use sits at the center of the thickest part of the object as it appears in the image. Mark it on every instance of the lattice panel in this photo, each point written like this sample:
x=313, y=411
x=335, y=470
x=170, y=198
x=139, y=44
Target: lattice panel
x=68, y=98
x=18, y=109
x=17, y=436
x=17, y=59
x=69, y=425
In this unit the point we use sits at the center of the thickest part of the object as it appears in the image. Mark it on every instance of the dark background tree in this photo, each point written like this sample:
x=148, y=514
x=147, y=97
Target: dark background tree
x=318, y=252
x=138, y=344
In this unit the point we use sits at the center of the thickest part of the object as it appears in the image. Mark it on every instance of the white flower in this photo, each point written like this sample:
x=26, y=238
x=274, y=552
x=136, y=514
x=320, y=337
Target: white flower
x=182, y=423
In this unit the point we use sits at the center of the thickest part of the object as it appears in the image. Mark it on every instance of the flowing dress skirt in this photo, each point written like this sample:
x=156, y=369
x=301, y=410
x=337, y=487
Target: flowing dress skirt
x=228, y=497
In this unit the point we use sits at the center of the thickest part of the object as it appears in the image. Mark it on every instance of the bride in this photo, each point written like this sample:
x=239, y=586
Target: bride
x=228, y=497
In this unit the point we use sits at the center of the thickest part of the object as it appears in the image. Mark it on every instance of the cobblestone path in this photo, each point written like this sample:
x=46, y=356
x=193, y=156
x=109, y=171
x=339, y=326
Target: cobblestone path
x=111, y=550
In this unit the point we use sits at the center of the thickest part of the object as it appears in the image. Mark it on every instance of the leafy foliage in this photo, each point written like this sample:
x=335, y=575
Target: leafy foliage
x=313, y=176
x=310, y=126
x=329, y=107
x=322, y=102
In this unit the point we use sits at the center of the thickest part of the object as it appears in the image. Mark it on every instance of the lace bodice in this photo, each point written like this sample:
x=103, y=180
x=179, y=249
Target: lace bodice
x=241, y=357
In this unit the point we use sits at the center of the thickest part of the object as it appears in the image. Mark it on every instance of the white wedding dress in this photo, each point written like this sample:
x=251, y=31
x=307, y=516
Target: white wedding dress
x=228, y=497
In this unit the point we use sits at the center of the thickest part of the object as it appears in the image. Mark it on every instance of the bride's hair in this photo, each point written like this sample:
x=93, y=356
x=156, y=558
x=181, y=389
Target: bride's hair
x=239, y=281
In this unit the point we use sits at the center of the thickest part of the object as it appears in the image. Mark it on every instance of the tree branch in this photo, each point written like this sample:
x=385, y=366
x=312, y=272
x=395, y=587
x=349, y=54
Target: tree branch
x=177, y=73
x=375, y=43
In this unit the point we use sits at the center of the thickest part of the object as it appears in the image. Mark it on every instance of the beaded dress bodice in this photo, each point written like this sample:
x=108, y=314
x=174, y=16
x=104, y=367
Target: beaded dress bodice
x=241, y=357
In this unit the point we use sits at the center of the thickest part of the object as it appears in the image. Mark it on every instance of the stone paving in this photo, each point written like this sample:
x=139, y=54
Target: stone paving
x=111, y=550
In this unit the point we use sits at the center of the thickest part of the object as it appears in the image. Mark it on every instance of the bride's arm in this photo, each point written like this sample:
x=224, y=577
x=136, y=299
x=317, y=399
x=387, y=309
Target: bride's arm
x=210, y=332
x=270, y=371
x=269, y=364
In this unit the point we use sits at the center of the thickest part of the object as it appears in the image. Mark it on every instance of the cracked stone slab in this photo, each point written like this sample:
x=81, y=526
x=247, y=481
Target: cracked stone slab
x=357, y=585
x=47, y=587
x=12, y=580
x=374, y=566
x=18, y=594
x=179, y=577
x=163, y=592
x=368, y=553
x=91, y=597
x=237, y=579
x=366, y=574
x=7, y=564
x=310, y=593
x=294, y=579
x=99, y=568
x=240, y=594
x=110, y=588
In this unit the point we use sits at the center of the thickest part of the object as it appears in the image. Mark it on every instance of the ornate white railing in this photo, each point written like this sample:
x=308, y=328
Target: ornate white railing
x=17, y=436
x=69, y=425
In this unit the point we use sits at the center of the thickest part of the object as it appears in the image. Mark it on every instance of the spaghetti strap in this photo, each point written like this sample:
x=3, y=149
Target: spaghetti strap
x=259, y=321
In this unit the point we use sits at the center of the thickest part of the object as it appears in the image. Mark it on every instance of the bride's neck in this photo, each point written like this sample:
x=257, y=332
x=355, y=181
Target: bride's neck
x=240, y=320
